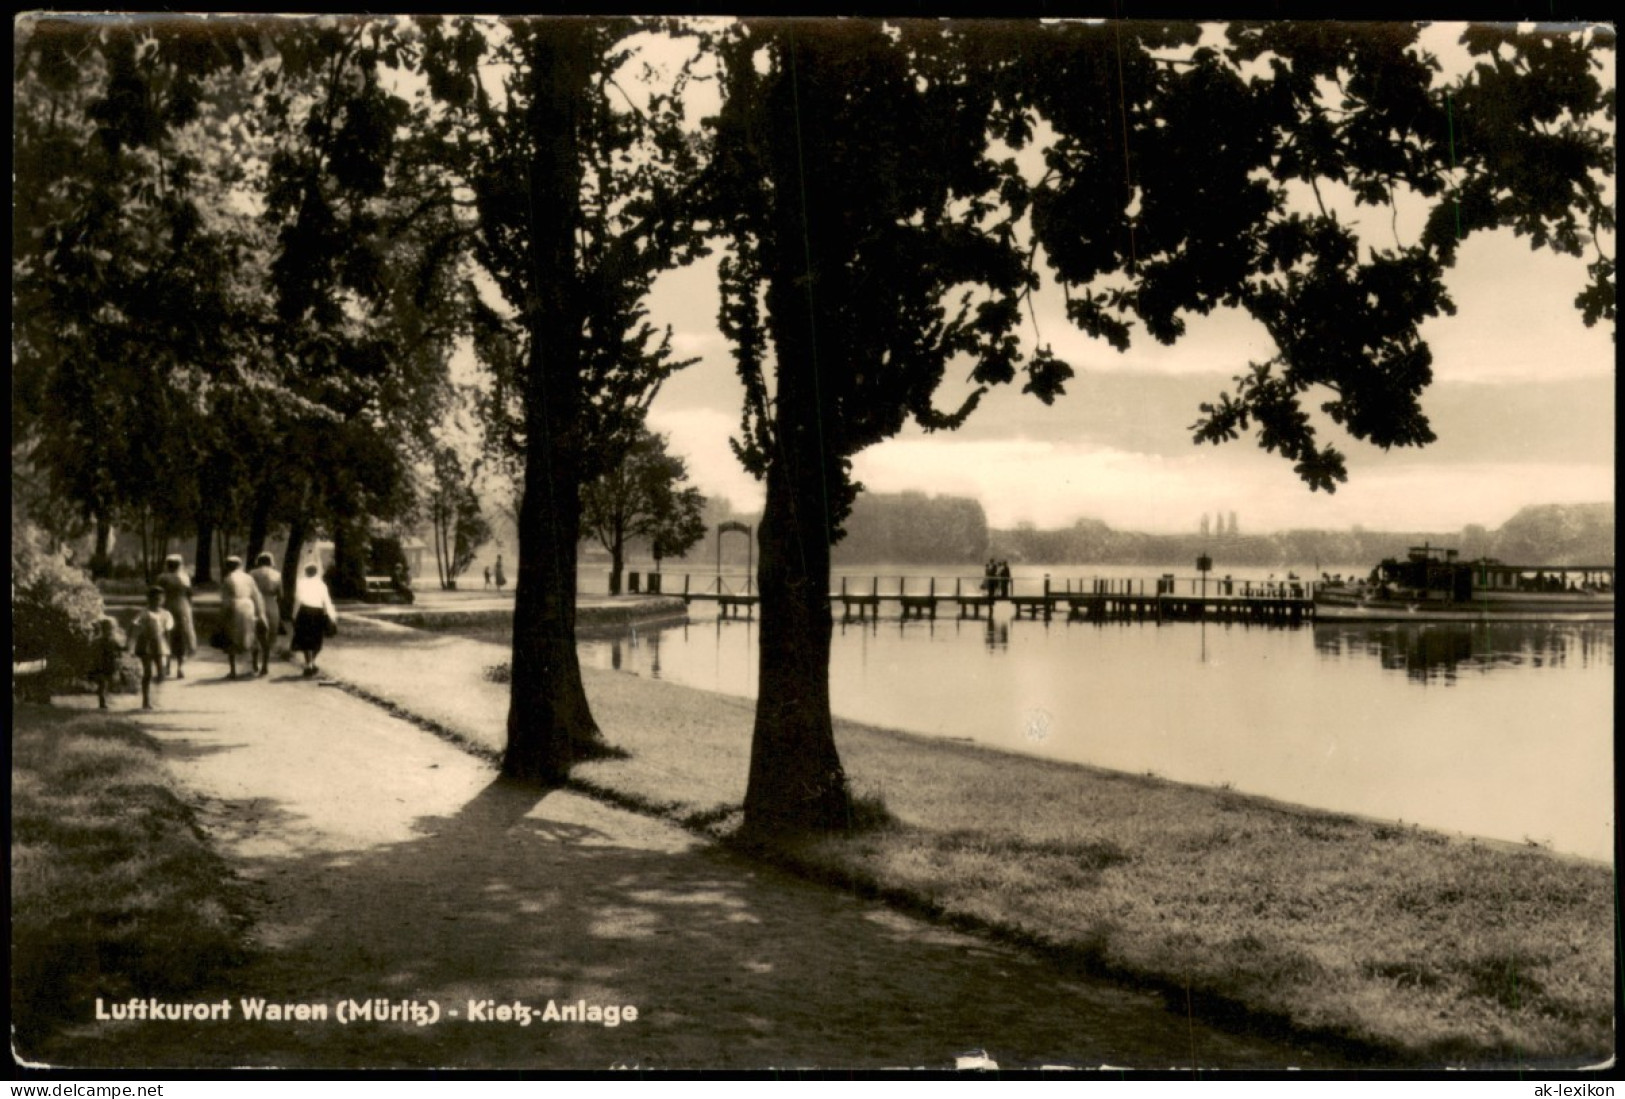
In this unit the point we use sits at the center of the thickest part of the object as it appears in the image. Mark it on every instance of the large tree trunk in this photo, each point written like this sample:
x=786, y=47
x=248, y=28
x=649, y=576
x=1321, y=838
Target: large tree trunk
x=550, y=725
x=101, y=557
x=203, y=558
x=617, y=561
x=796, y=780
x=350, y=544
x=259, y=523
x=290, y=561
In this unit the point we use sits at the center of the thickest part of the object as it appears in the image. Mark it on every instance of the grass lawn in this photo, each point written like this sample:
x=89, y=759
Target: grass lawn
x=113, y=891
x=1386, y=936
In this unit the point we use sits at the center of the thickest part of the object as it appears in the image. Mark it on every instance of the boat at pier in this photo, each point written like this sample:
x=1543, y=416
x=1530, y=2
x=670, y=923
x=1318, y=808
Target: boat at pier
x=1433, y=584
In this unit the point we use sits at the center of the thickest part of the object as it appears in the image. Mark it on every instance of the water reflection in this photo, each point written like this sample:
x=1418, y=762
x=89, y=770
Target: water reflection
x=1442, y=652
x=1350, y=716
x=848, y=624
x=654, y=654
x=997, y=635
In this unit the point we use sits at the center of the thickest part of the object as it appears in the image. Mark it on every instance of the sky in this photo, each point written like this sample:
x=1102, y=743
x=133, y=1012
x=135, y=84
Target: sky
x=1522, y=404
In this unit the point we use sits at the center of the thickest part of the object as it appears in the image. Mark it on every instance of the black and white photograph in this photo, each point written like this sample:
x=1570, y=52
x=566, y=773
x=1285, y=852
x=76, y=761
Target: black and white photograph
x=736, y=544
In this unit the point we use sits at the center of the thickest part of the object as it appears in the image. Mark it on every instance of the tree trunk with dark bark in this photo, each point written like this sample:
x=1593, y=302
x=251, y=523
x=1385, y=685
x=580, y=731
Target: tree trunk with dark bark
x=796, y=781
x=550, y=725
x=203, y=558
x=617, y=562
x=101, y=558
x=259, y=523
x=350, y=543
x=290, y=561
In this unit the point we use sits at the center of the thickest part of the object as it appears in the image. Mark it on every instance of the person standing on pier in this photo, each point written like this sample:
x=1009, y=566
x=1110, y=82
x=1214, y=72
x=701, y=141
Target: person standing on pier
x=502, y=577
x=990, y=574
x=1004, y=579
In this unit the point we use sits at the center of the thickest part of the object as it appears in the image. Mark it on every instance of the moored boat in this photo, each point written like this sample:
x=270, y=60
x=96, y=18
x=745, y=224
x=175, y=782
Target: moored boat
x=1433, y=584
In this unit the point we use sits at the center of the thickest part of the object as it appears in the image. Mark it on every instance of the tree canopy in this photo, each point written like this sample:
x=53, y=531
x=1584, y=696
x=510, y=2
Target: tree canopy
x=223, y=317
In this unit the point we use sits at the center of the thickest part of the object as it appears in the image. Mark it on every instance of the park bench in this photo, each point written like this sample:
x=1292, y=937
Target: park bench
x=382, y=589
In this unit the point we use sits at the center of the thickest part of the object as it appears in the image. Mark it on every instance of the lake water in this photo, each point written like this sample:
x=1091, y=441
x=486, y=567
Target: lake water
x=1495, y=730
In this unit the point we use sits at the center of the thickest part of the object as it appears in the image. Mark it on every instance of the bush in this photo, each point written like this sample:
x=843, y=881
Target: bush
x=54, y=611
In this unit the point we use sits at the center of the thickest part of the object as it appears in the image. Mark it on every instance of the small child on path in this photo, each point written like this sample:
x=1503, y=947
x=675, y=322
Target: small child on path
x=149, y=640
x=106, y=650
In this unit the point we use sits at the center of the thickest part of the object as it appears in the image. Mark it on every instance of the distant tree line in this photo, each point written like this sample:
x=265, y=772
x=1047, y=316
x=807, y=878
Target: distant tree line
x=1549, y=534
x=912, y=528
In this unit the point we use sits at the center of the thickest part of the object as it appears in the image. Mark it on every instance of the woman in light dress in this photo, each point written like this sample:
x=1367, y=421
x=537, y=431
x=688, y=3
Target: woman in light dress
x=313, y=616
x=177, y=587
x=269, y=581
x=242, y=611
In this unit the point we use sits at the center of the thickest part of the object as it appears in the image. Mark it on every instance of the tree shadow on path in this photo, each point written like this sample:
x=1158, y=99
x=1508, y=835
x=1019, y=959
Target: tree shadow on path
x=531, y=896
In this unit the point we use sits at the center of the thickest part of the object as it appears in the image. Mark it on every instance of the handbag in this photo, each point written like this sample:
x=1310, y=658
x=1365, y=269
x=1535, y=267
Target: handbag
x=330, y=628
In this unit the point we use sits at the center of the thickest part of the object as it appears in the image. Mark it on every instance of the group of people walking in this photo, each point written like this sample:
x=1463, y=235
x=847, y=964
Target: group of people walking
x=164, y=633
x=996, y=579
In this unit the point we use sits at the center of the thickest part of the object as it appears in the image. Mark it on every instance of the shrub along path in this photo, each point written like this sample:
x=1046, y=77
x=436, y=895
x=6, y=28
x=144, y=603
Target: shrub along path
x=390, y=867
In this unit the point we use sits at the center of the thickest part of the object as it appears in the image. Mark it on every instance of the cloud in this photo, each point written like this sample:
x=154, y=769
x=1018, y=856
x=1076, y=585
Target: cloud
x=700, y=436
x=1522, y=404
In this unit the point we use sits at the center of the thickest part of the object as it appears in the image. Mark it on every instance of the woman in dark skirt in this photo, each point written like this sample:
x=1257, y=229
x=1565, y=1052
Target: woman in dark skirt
x=313, y=616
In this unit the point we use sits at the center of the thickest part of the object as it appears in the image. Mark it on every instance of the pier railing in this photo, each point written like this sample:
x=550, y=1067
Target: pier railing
x=1162, y=597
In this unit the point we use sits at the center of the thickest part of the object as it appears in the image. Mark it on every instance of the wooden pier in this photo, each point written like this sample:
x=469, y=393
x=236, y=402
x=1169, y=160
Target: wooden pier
x=1167, y=600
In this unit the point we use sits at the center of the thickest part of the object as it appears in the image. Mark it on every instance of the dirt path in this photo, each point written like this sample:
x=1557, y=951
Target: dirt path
x=387, y=864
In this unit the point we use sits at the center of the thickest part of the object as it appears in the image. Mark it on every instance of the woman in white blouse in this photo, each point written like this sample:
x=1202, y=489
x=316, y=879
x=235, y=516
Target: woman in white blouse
x=313, y=616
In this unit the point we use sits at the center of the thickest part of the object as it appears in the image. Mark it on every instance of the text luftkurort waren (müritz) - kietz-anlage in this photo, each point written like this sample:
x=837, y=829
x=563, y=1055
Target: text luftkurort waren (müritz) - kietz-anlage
x=374, y=1010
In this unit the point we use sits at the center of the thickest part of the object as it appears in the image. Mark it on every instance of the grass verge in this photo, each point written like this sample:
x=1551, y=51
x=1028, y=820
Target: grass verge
x=113, y=891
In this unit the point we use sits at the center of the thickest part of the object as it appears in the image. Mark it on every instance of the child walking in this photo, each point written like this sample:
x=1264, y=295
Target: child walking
x=106, y=650
x=149, y=639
